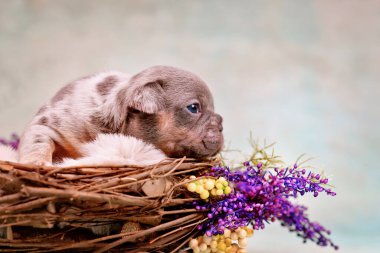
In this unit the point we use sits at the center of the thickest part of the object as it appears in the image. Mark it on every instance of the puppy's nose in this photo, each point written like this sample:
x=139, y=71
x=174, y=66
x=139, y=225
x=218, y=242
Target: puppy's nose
x=216, y=122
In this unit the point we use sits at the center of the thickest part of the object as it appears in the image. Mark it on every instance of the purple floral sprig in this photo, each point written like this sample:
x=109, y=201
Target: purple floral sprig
x=261, y=196
x=12, y=142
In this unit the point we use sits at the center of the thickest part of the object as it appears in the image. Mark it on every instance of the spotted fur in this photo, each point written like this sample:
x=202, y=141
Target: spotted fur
x=150, y=105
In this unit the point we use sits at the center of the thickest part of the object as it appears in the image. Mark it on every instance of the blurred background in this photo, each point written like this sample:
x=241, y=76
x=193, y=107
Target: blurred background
x=304, y=74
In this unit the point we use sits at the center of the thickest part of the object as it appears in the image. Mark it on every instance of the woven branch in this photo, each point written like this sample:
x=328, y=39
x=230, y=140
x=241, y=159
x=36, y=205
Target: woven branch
x=146, y=209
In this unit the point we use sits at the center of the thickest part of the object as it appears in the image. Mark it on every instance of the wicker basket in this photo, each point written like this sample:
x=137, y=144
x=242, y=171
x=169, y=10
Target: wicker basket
x=134, y=209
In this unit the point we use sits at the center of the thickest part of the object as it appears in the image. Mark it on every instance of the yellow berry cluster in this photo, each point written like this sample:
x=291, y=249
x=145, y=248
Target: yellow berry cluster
x=209, y=186
x=229, y=242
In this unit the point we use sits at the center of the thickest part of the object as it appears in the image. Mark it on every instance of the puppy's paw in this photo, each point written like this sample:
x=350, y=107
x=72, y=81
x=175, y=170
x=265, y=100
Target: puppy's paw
x=38, y=161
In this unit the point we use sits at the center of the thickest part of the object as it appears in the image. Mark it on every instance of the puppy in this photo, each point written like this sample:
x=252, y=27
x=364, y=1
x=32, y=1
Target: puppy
x=167, y=107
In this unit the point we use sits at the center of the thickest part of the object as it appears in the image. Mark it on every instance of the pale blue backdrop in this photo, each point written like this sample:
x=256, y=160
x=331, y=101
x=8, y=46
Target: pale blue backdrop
x=302, y=73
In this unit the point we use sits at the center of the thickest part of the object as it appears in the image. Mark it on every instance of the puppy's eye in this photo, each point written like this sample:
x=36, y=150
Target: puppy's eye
x=194, y=108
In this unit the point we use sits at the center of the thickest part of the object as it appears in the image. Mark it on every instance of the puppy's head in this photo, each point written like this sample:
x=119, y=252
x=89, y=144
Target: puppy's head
x=174, y=110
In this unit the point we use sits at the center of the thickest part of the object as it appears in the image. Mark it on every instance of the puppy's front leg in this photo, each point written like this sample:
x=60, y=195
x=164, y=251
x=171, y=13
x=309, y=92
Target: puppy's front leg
x=37, y=145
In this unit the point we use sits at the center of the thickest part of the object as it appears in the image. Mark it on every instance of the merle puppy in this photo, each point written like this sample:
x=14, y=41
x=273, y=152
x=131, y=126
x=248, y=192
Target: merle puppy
x=166, y=106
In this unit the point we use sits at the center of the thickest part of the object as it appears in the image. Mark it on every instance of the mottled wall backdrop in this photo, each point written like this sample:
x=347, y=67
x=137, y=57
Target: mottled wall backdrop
x=302, y=73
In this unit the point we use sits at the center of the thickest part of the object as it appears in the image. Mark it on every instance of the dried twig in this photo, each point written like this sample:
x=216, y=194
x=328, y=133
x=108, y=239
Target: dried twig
x=69, y=200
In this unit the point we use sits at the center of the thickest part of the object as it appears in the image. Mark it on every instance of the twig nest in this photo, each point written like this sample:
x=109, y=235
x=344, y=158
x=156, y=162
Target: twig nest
x=98, y=209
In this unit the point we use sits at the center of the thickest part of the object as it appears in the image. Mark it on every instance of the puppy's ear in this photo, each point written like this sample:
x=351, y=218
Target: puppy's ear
x=144, y=92
x=148, y=97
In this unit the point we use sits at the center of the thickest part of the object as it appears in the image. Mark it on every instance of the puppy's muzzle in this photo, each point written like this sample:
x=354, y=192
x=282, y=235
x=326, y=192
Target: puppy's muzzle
x=213, y=139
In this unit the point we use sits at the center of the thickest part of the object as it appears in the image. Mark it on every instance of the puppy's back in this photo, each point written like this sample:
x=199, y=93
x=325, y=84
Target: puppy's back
x=73, y=116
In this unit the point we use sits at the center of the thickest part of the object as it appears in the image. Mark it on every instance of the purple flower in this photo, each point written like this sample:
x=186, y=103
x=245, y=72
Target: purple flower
x=263, y=196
